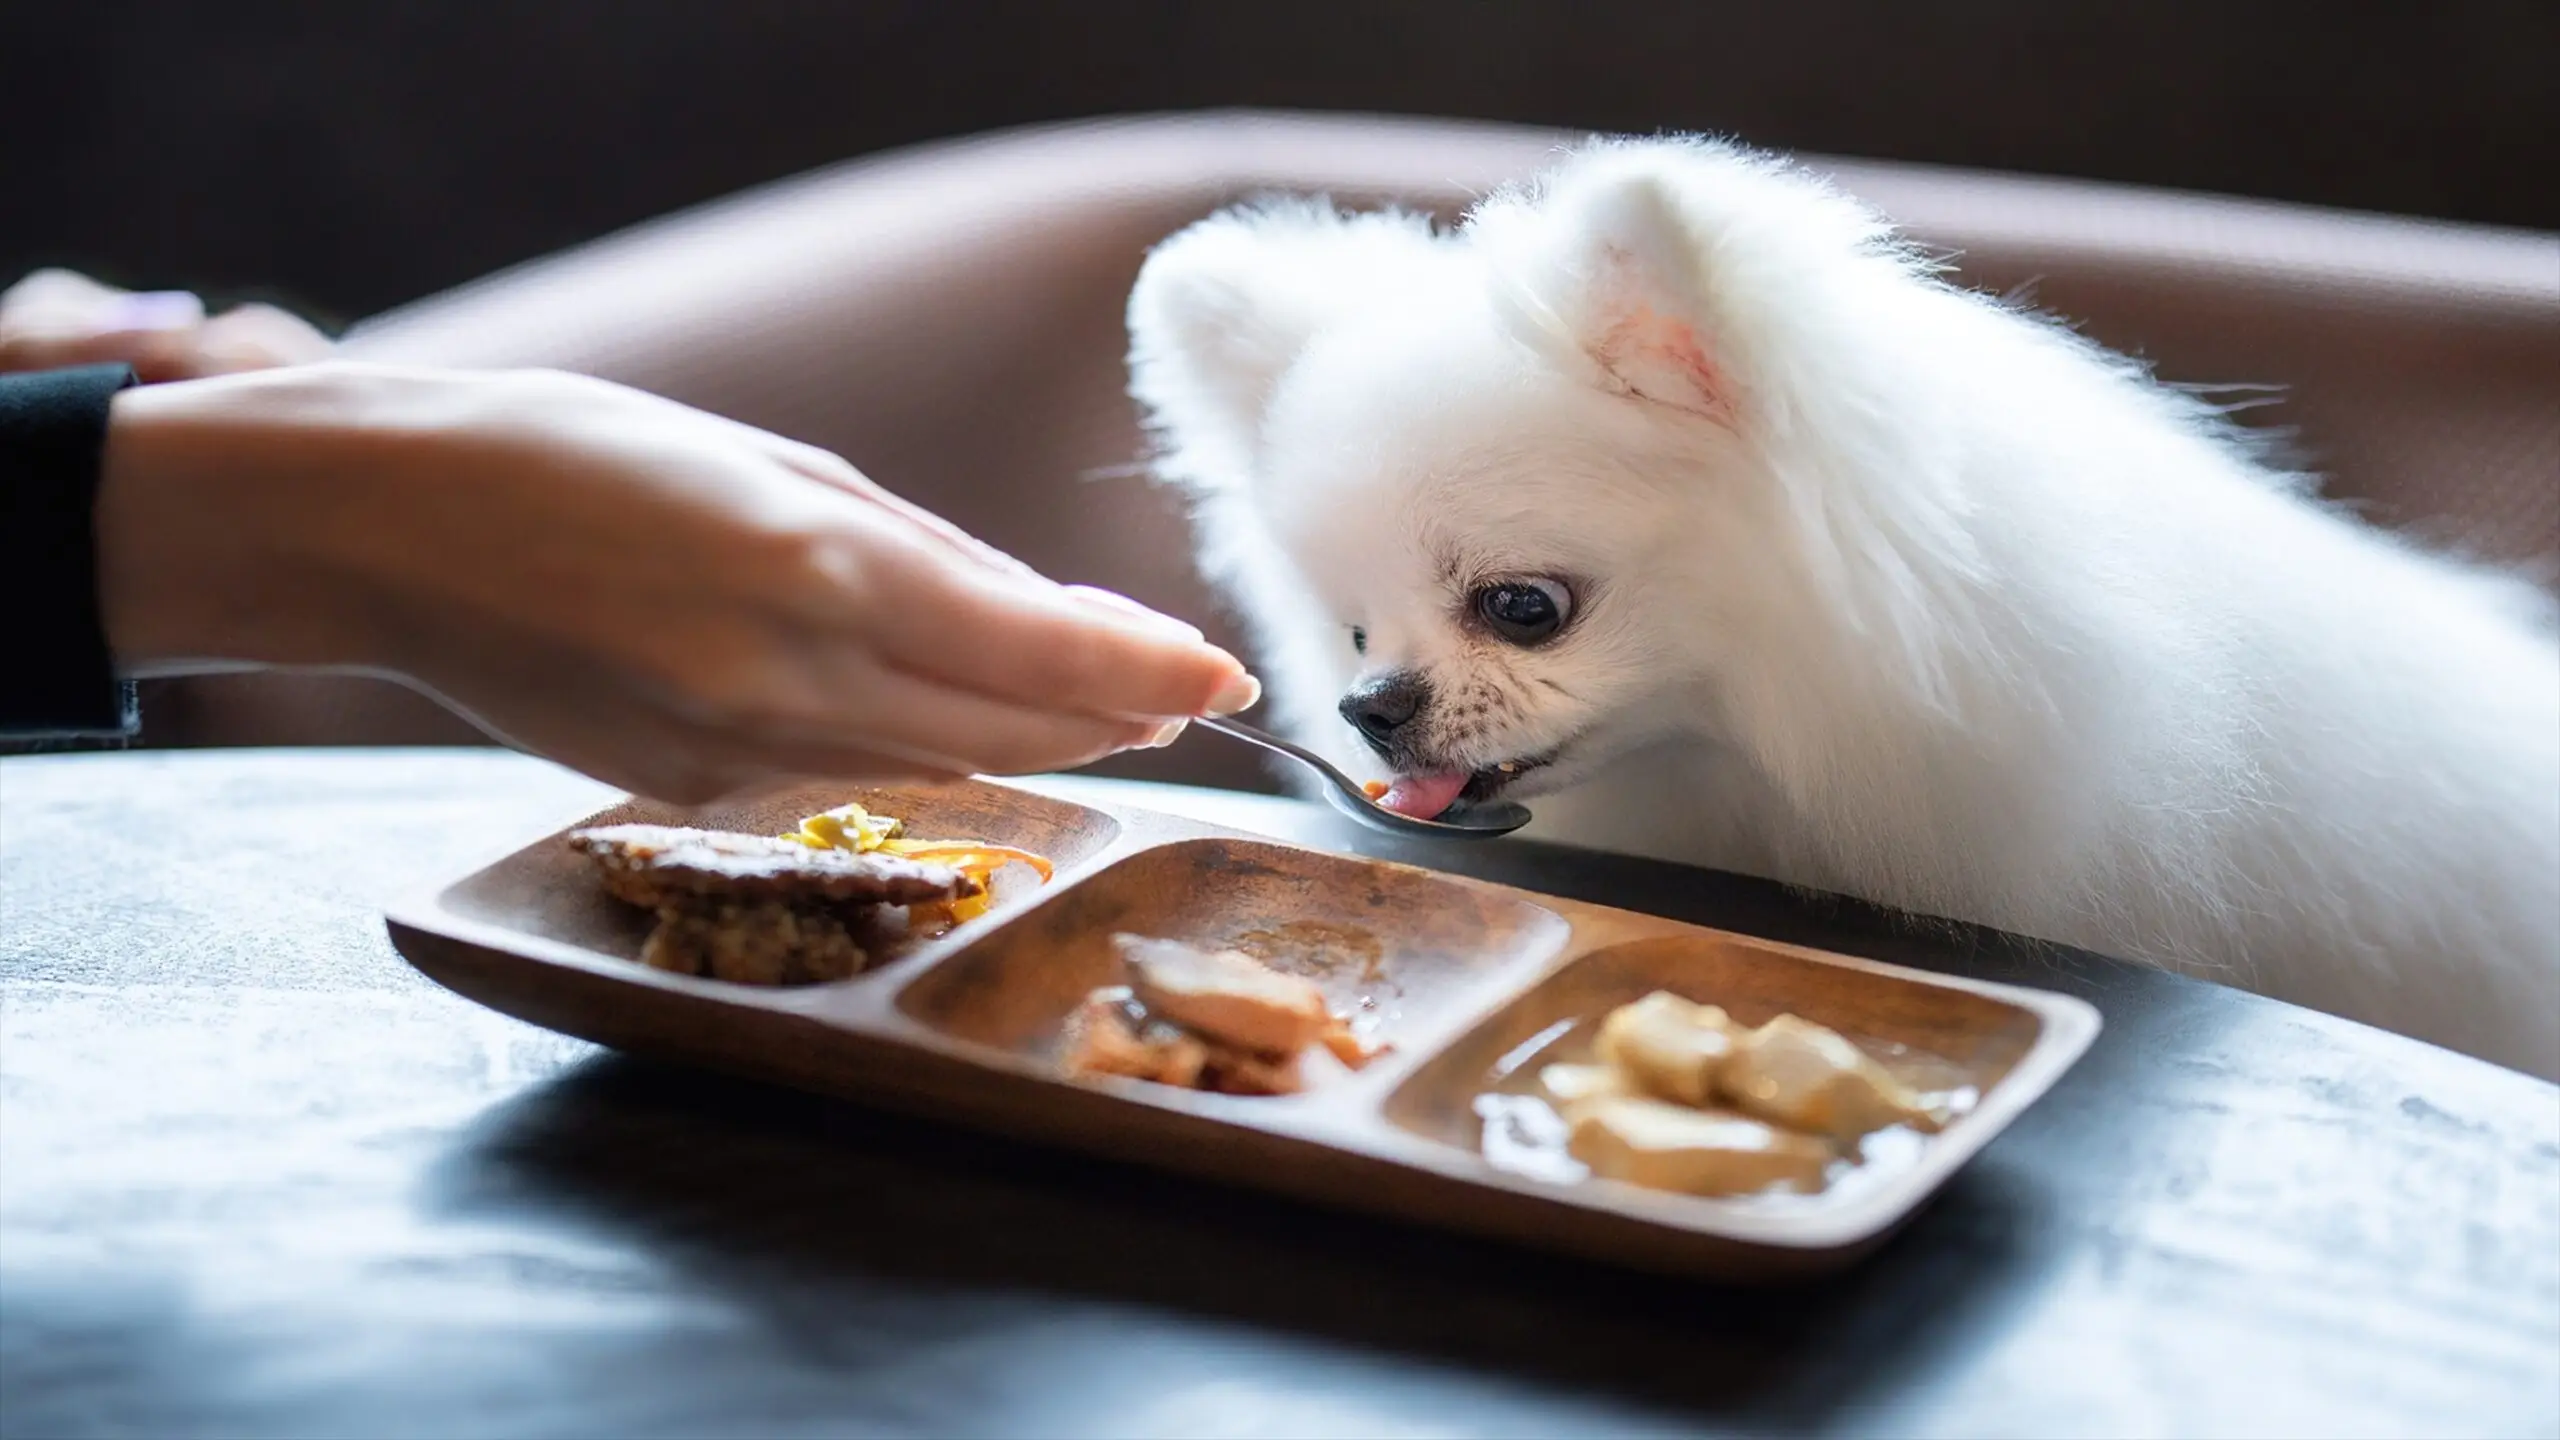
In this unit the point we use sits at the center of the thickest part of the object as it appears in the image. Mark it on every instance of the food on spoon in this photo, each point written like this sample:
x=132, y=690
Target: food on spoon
x=1801, y=1075
x=1224, y=995
x=1672, y=1047
x=1374, y=789
x=1667, y=1146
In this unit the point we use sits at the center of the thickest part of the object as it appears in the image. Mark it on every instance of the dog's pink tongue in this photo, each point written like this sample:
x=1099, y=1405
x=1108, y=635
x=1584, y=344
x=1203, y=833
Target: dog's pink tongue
x=1424, y=796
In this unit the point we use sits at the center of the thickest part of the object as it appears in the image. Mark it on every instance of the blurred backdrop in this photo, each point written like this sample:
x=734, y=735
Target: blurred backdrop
x=353, y=154
x=346, y=156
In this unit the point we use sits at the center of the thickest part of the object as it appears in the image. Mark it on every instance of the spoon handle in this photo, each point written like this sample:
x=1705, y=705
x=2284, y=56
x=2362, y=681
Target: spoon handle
x=1299, y=753
x=1351, y=799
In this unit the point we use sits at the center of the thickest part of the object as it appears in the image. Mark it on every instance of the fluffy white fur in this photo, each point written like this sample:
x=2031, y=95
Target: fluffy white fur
x=1881, y=586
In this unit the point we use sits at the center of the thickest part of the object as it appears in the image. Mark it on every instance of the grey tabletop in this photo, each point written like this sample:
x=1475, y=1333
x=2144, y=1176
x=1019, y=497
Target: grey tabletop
x=259, y=1178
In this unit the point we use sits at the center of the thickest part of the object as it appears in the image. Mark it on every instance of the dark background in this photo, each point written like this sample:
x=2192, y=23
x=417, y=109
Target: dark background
x=352, y=154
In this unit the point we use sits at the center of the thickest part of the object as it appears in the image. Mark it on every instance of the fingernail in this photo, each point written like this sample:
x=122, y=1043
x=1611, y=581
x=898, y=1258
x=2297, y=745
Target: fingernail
x=1236, y=697
x=1113, y=600
x=152, y=310
x=1166, y=734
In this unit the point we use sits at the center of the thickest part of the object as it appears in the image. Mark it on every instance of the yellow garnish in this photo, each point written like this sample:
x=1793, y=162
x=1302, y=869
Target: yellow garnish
x=851, y=827
x=848, y=827
x=949, y=914
x=970, y=855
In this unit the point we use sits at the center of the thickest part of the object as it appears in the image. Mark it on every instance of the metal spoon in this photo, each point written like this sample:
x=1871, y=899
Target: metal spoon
x=1460, y=821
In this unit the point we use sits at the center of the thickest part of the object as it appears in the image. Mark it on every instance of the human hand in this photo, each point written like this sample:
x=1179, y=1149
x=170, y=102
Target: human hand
x=55, y=318
x=669, y=601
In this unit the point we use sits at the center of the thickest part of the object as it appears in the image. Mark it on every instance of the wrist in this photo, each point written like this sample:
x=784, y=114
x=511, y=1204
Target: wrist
x=205, y=492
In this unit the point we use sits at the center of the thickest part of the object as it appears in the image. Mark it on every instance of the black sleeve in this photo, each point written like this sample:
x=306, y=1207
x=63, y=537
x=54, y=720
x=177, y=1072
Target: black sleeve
x=60, y=681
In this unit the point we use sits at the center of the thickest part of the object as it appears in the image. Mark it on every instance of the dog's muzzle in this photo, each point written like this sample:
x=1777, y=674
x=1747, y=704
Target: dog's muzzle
x=1384, y=709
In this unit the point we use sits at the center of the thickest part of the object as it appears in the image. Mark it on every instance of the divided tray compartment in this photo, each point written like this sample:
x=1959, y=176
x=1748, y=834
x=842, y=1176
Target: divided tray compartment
x=1935, y=1037
x=1398, y=951
x=1471, y=985
x=548, y=891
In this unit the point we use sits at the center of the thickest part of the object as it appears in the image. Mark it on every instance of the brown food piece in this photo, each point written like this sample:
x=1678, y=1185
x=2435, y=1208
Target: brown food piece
x=654, y=865
x=1110, y=1035
x=752, y=942
x=1224, y=995
x=1231, y=1071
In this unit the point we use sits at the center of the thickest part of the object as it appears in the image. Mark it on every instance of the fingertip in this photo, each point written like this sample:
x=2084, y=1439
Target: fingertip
x=1240, y=693
x=1196, y=678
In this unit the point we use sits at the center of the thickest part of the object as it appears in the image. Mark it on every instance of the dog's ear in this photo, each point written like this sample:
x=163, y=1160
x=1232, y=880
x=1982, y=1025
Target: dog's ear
x=1605, y=276
x=1219, y=313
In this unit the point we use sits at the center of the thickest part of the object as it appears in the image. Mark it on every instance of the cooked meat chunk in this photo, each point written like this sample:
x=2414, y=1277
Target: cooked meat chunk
x=653, y=865
x=752, y=942
x=1225, y=996
x=1231, y=1071
x=1110, y=1035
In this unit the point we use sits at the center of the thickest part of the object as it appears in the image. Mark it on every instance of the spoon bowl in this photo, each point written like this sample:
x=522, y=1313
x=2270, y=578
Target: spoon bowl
x=1461, y=821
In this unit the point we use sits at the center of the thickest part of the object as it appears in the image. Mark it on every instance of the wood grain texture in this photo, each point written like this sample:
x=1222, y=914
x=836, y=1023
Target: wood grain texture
x=966, y=1027
x=1415, y=945
x=259, y=1177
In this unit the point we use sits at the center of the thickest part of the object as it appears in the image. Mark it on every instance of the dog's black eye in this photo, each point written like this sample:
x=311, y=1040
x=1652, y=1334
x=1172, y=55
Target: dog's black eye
x=1524, y=612
x=1359, y=641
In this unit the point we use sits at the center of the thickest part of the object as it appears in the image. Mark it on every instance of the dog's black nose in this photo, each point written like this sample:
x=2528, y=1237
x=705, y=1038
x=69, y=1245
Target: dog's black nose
x=1379, y=707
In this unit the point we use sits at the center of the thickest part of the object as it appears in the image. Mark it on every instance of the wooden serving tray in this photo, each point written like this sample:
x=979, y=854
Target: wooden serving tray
x=1467, y=978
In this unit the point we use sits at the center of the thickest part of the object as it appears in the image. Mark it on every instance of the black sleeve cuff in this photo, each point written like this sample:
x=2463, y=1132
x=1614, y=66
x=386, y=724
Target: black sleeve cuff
x=62, y=677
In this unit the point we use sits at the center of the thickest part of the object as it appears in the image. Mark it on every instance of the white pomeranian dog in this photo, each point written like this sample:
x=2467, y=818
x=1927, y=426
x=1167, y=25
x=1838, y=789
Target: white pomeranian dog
x=1675, y=493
